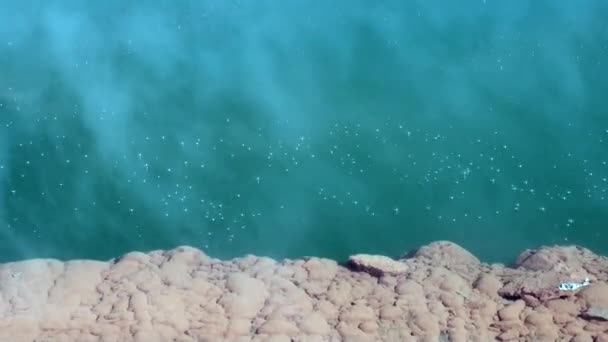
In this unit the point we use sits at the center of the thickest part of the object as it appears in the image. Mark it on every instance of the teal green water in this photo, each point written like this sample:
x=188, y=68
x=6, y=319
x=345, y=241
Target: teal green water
x=291, y=128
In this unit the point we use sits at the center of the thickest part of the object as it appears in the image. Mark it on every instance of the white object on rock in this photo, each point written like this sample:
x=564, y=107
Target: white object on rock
x=573, y=286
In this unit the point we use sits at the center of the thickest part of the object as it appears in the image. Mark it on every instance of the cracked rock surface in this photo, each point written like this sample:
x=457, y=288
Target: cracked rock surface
x=440, y=292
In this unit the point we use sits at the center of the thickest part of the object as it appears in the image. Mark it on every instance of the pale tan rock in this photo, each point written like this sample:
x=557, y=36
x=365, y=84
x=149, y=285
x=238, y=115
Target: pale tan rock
x=313, y=338
x=369, y=327
x=320, y=269
x=602, y=337
x=509, y=335
x=278, y=327
x=277, y=338
x=239, y=327
x=377, y=265
x=409, y=287
x=340, y=293
x=425, y=325
x=488, y=284
x=457, y=330
x=441, y=293
x=246, y=297
x=390, y=312
x=315, y=324
x=357, y=313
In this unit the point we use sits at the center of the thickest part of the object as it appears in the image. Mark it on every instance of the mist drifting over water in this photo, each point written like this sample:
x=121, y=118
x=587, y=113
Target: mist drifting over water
x=301, y=127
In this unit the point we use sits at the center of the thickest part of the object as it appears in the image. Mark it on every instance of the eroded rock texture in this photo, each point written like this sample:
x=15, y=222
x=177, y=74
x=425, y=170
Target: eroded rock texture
x=439, y=293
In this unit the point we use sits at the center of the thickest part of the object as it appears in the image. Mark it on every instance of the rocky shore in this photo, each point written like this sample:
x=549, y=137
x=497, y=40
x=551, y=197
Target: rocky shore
x=439, y=292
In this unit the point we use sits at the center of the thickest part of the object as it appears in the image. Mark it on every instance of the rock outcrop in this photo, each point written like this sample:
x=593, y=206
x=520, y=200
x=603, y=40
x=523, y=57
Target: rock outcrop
x=378, y=265
x=440, y=292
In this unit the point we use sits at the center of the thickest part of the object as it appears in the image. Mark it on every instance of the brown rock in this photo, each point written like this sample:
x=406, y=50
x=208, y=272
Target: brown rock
x=511, y=311
x=573, y=328
x=443, y=294
x=584, y=337
x=538, y=319
x=602, y=337
x=596, y=326
x=563, y=306
x=595, y=294
x=541, y=326
x=562, y=319
x=597, y=312
x=445, y=252
x=561, y=259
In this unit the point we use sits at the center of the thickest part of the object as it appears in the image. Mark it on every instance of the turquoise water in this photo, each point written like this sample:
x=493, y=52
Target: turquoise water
x=302, y=127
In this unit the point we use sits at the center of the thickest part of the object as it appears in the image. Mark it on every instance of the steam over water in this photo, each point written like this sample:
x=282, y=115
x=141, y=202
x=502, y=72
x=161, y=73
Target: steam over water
x=290, y=128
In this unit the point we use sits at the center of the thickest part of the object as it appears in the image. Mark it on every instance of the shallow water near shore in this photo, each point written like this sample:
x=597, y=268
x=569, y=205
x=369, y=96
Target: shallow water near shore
x=302, y=128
